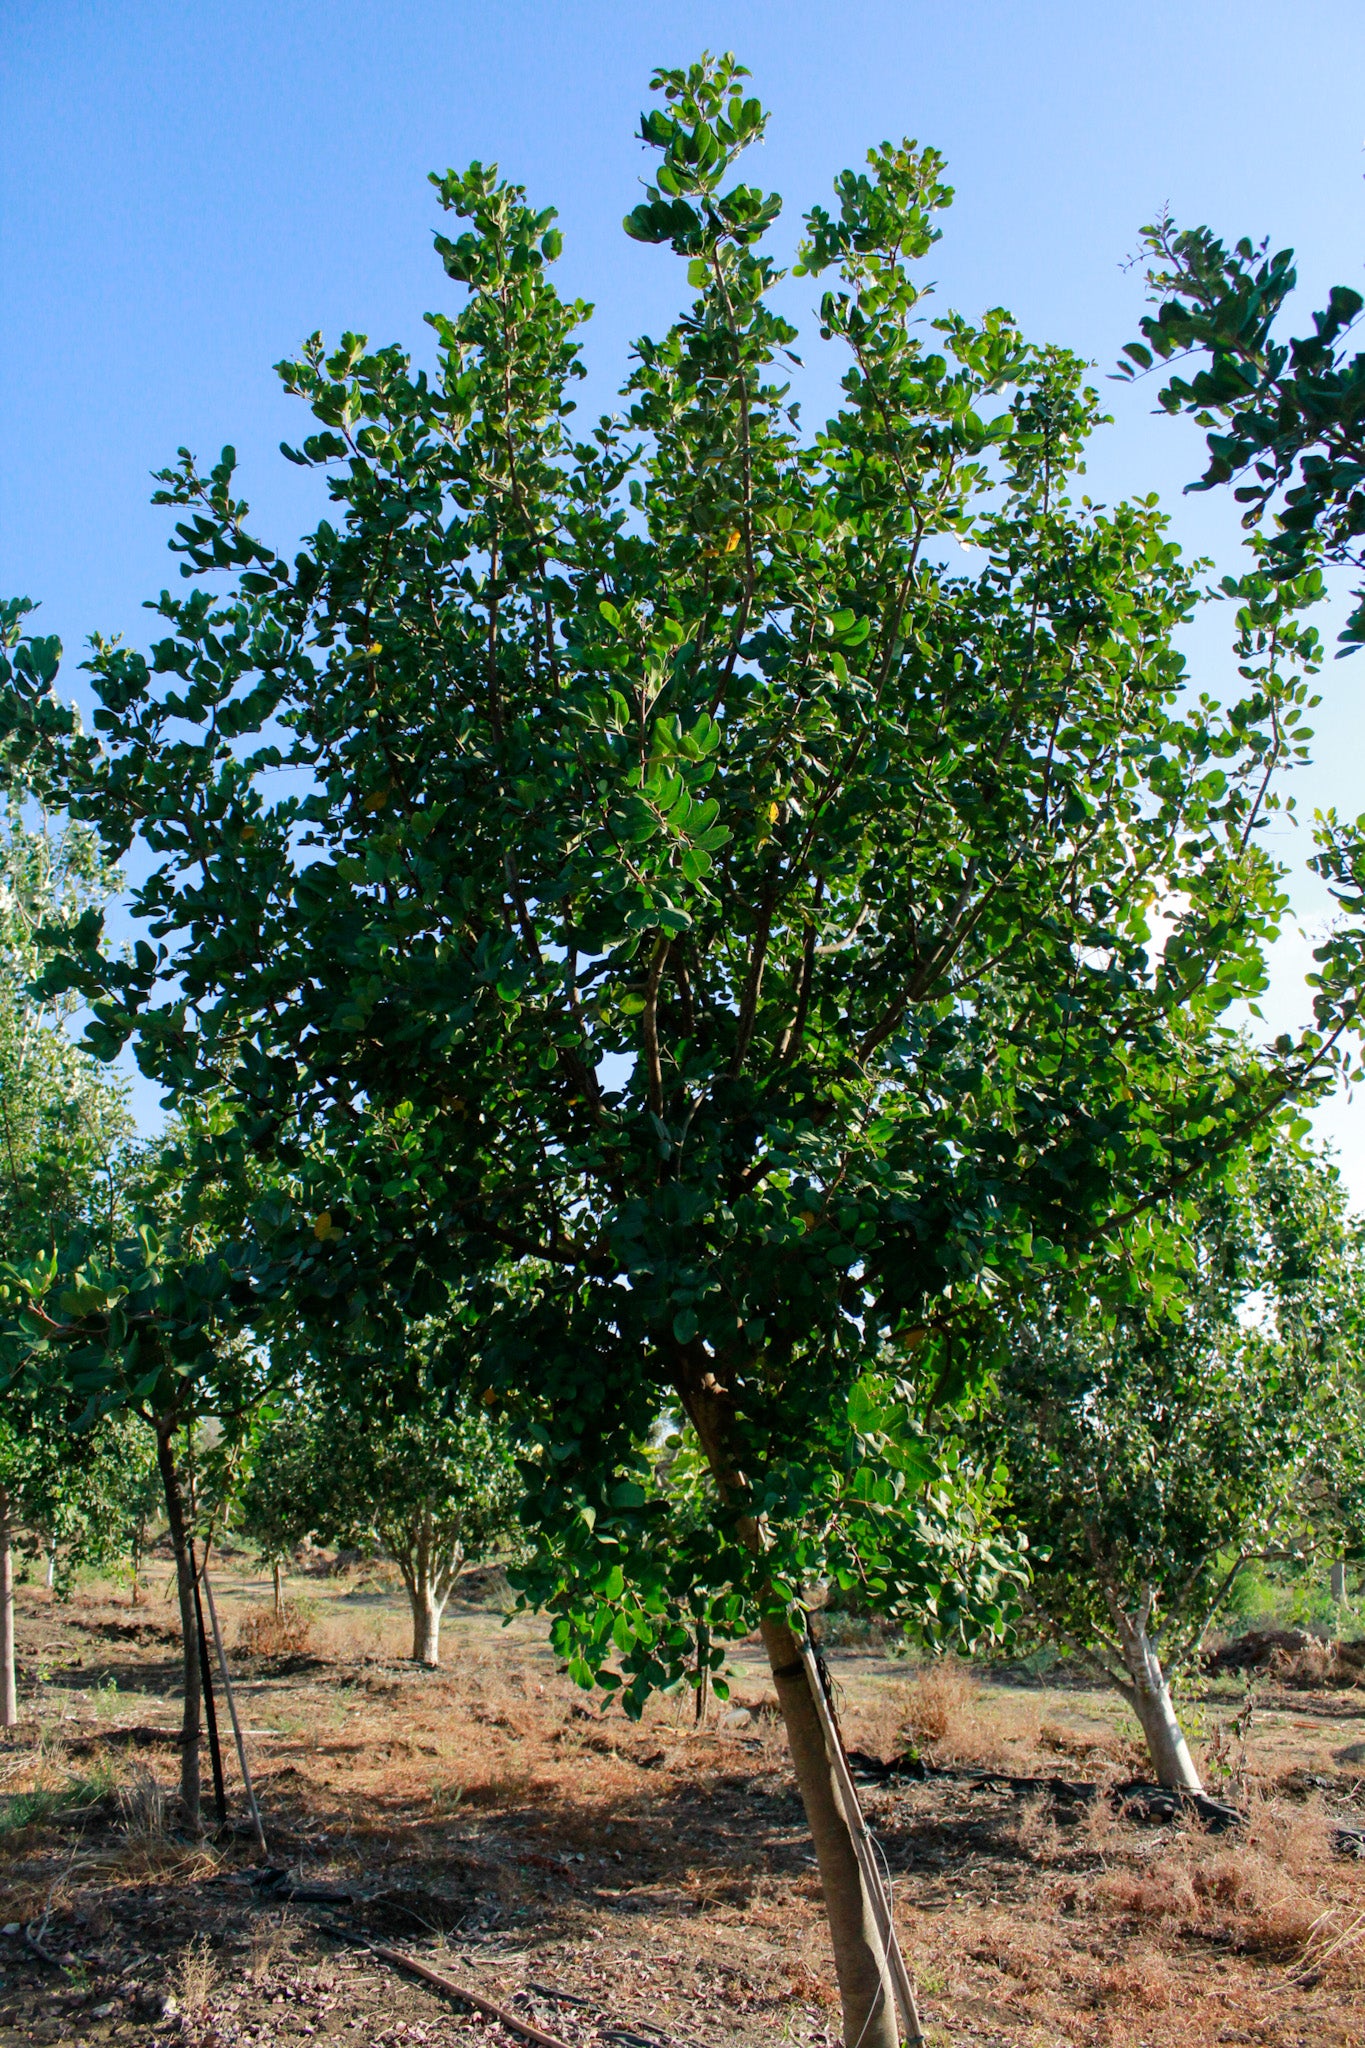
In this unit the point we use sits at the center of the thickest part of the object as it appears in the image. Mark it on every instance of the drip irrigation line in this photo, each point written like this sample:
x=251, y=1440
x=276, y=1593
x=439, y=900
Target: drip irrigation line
x=398, y=1961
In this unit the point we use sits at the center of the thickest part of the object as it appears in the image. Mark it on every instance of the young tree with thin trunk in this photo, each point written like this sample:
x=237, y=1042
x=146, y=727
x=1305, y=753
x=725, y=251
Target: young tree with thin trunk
x=708, y=926
x=1157, y=1450
x=64, y=1144
x=396, y=1472
x=147, y=1337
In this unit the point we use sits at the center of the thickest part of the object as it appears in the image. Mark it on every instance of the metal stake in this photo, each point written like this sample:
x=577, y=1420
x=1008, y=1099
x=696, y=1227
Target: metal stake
x=232, y=1710
x=210, y=1709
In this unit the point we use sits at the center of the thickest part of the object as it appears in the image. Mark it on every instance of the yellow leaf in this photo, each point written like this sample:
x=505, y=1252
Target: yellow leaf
x=489, y=1397
x=733, y=542
x=322, y=1226
x=773, y=810
x=376, y=800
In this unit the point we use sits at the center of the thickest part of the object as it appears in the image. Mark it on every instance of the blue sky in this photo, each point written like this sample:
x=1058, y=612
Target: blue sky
x=188, y=191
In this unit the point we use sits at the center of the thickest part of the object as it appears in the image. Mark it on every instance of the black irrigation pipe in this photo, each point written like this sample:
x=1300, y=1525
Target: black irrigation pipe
x=1135, y=1796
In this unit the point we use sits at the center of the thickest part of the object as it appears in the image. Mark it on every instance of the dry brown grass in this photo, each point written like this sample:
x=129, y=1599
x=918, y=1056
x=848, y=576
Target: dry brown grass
x=143, y=1807
x=941, y=1707
x=195, y=1977
x=262, y=1632
x=662, y=1873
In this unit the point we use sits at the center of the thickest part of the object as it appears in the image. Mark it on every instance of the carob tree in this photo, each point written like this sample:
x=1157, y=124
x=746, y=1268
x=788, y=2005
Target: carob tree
x=1157, y=1451
x=374, y=1459
x=766, y=889
x=147, y=1328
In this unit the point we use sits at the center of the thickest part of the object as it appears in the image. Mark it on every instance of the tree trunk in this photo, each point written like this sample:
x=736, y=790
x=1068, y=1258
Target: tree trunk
x=1151, y=1702
x=139, y=1545
x=1339, y=1582
x=429, y=1572
x=279, y=1601
x=9, y=1700
x=865, y=1988
x=189, y=1726
x=426, y=1624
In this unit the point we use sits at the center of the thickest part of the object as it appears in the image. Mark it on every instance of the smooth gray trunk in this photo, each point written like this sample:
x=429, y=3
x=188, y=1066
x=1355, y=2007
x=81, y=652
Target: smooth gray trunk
x=865, y=1989
x=139, y=1545
x=9, y=1698
x=1151, y=1701
x=427, y=1611
x=430, y=1569
x=1339, y=1582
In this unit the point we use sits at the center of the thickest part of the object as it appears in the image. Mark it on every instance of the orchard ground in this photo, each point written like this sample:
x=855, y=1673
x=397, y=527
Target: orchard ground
x=639, y=1885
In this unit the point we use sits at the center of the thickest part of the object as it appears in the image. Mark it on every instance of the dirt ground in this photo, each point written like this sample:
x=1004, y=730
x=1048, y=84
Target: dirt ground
x=640, y=1885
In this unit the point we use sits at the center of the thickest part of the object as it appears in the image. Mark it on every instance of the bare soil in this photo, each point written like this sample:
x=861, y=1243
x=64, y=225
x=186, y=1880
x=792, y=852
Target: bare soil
x=639, y=1885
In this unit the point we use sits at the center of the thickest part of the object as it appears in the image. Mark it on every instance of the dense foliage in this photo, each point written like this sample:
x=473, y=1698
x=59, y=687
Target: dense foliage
x=711, y=912
x=432, y=1485
x=1156, y=1459
x=735, y=900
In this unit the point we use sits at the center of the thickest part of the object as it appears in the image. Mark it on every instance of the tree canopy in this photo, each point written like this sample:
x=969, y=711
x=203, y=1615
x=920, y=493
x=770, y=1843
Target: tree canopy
x=1154, y=1456
x=711, y=904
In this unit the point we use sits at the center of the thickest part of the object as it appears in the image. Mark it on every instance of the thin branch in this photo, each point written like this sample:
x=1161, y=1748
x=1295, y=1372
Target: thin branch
x=649, y=1024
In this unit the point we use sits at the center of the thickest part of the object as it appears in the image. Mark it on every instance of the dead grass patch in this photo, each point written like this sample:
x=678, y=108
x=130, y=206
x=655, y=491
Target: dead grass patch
x=262, y=1632
x=661, y=1873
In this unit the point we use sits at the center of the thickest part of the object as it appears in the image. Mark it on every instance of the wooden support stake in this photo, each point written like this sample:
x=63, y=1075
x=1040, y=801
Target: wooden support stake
x=863, y=1848
x=232, y=1710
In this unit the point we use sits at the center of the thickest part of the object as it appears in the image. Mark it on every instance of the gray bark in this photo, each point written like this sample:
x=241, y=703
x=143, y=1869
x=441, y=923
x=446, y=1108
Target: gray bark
x=1150, y=1697
x=1339, y=1582
x=865, y=1990
x=9, y=1701
x=430, y=1569
x=427, y=1611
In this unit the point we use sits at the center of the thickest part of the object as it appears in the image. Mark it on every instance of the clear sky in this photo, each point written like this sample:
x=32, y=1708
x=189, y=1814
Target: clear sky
x=188, y=191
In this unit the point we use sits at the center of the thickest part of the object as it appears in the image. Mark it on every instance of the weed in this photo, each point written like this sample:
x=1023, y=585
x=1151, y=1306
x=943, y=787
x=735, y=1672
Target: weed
x=197, y=1974
x=263, y=1633
x=940, y=1705
x=142, y=1807
x=269, y=1943
x=19, y=1810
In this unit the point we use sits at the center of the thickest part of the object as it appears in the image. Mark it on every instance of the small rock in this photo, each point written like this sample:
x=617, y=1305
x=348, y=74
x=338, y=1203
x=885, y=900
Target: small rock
x=12, y=1927
x=738, y=1717
x=102, y=2012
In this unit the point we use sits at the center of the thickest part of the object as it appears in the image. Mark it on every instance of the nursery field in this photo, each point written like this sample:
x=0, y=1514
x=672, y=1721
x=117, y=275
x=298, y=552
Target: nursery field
x=641, y=1885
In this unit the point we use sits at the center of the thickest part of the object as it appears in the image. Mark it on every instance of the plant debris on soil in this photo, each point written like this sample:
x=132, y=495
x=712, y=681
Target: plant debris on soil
x=653, y=1884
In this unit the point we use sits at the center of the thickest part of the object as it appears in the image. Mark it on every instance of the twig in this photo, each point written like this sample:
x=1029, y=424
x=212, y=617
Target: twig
x=442, y=1983
x=561, y=1997
x=34, y=1942
x=1307, y=1966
